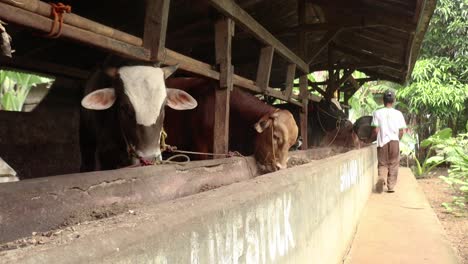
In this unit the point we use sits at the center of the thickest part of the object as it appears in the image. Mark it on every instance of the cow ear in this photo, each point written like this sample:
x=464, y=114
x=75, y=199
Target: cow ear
x=180, y=100
x=100, y=99
x=169, y=70
x=263, y=124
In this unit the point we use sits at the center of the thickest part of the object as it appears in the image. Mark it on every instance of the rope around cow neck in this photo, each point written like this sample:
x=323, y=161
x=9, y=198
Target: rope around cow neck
x=337, y=125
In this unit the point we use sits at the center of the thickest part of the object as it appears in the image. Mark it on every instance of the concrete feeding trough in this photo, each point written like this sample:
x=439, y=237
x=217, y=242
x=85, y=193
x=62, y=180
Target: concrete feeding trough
x=208, y=211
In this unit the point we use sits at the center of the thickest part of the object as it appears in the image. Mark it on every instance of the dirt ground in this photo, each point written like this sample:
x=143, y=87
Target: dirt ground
x=456, y=228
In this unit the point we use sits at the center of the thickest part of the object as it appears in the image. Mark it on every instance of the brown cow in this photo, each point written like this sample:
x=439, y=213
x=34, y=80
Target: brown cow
x=343, y=136
x=255, y=127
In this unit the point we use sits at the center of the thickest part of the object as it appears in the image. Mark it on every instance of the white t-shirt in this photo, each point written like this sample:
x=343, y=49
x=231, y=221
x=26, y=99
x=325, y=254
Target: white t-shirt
x=390, y=121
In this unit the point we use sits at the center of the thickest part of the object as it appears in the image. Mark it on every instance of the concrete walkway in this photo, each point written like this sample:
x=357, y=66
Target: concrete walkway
x=400, y=228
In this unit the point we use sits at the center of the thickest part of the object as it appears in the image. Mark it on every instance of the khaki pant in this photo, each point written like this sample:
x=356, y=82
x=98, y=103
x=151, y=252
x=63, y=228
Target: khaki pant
x=388, y=162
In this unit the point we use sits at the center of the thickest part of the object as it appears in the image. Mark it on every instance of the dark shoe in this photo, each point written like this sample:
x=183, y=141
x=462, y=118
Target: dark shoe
x=391, y=191
x=379, y=186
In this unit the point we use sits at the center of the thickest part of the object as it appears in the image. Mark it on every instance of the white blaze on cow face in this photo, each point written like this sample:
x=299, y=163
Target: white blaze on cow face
x=146, y=90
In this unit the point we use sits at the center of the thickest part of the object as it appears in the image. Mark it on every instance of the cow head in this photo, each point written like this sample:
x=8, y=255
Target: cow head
x=277, y=132
x=330, y=115
x=139, y=95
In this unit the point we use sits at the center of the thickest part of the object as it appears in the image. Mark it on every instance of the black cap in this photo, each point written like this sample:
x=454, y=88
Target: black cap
x=389, y=94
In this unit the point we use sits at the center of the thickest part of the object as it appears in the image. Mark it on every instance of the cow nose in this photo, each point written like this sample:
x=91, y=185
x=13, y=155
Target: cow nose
x=151, y=156
x=279, y=166
x=158, y=157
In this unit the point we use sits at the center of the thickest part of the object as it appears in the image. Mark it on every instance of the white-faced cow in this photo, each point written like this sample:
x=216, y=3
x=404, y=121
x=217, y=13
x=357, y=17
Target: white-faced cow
x=126, y=128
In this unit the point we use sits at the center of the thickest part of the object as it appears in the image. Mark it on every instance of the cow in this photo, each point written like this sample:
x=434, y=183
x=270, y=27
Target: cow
x=343, y=136
x=325, y=119
x=121, y=125
x=254, y=127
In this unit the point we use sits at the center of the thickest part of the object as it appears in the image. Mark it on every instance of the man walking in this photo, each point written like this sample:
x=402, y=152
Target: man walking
x=389, y=125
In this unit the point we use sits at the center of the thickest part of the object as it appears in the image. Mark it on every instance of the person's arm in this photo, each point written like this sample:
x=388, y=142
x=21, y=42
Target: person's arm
x=401, y=132
x=375, y=128
x=403, y=128
x=375, y=132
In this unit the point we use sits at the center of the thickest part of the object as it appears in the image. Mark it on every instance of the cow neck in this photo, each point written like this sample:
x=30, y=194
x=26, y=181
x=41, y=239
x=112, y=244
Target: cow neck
x=250, y=107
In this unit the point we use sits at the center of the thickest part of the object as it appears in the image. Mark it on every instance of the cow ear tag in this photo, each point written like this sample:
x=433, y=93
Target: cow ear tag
x=180, y=100
x=99, y=100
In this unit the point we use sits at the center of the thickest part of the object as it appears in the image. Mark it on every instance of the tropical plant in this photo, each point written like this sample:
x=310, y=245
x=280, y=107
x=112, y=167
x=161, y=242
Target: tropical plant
x=438, y=92
x=436, y=145
x=456, y=152
x=443, y=148
x=408, y=147
x=15, y=87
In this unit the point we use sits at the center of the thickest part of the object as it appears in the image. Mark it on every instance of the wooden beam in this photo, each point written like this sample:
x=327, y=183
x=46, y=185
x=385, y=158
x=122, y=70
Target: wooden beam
x=359, y=65
x=154, y=36
x=19, y=16
x=347, y=18
x=279, y=95
x=383, y=76
x=323, y=43
x=347, y=96
x=224, y=30
x=35, y=66
x=247, y=22
x=398, y=23
x=264, y=67
x=29, y=19
x=377, y=47
x=355, y=86
x=43, y=9
x=316, y=88
x=347, y=74
x=303, y=116
x=303, y=79
x=290, y=75
x=331, y=74
x=369, y=57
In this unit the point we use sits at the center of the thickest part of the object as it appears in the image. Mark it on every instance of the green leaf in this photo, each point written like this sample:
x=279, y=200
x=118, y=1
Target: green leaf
x=435, y=159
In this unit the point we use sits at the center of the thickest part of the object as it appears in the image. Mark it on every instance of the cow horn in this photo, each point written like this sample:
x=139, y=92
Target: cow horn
x=169, y=70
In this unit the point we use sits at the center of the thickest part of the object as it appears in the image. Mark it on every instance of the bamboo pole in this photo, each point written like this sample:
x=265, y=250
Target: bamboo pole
x=32, y=20
x=43, y=9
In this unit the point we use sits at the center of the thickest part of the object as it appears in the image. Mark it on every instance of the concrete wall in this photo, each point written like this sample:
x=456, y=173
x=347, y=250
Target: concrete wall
x=306, y=214
x=42, y=204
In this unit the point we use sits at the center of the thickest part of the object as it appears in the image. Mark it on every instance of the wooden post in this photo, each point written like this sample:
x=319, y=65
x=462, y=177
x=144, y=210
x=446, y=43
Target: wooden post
x=347, y=96
x=264, y=67
x=331, y=74
x=154, y=37
x=290, y=80
x=224, y=30
x=304, y=115
x=303, y=80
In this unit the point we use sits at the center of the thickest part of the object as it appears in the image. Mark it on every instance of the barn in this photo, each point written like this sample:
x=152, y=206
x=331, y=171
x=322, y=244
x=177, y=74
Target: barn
x=260, y=47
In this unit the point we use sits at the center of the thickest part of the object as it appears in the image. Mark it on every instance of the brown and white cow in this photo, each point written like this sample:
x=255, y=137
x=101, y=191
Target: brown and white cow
x=255, y=127
x=130, y=116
